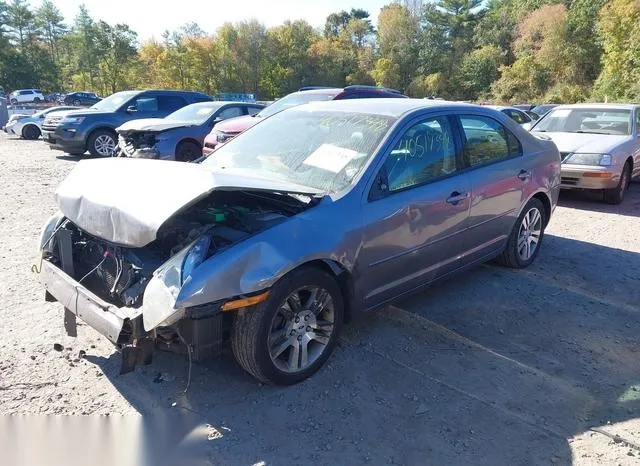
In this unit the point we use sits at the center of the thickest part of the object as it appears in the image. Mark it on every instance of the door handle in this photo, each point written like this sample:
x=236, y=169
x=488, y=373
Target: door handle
x=524, y=175
x=457, y=197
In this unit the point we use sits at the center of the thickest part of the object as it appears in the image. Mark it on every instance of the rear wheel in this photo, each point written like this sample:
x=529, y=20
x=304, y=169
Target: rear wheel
x=31, y=132
x=13, y=101
x=102, y=143
x=288, y=337
x=36, y=100
x=526, y=236
x=616, y=195
x=188, y=151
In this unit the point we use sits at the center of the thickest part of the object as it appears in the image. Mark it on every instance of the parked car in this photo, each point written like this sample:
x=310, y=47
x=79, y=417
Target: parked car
x=25, y=96
x=542, y=109
x=534, y=116
x=179, y=136
x=516, y=115
x=229, y=129
x=599, y=145
x=53, y=97
x=79, y=99
x=315, y=214
x=29, y=126
x=94, y=128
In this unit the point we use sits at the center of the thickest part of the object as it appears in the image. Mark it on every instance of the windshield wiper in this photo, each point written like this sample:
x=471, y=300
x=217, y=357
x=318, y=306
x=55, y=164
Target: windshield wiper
x=591, y=132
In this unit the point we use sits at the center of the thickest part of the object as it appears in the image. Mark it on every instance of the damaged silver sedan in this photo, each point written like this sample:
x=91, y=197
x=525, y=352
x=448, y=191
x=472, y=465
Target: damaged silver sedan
x=282, y=234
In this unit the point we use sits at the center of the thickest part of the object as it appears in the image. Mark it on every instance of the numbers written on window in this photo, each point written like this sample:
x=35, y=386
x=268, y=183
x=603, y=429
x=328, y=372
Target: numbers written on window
x=426, y=152
x=487, y=141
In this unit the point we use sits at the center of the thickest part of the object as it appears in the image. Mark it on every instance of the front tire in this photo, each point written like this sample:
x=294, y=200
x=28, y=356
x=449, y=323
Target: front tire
x=288, y=337
x=102, y=143
x=616, y=195
x=188, y=151
x=526, y=236
x=30, y=132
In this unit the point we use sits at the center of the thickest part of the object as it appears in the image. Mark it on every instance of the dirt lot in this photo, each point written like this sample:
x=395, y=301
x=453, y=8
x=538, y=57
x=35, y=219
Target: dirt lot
x=491, y=367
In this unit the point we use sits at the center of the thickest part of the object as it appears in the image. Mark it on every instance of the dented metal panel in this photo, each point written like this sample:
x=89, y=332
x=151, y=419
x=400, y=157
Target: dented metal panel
x=125, y=201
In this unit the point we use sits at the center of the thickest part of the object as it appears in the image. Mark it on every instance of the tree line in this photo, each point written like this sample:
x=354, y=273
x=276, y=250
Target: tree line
x=502, y=50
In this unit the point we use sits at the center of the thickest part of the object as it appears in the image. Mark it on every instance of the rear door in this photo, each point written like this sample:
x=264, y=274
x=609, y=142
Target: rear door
x=170, y=103
x=498, y=173
x=420, y=201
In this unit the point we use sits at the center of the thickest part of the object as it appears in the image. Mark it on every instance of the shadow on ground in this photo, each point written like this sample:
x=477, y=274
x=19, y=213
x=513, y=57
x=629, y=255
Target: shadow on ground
x=494, y=366
x=593, y=200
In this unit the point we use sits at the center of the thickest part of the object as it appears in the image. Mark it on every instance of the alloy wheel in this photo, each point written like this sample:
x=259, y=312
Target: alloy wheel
x=301, y=329
x=105, y=145
x=529, y=233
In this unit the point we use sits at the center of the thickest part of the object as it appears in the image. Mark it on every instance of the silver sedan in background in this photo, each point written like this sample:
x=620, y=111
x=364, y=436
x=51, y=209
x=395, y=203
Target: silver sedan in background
x=29, y=126
x=287, y=230
x=599, y=145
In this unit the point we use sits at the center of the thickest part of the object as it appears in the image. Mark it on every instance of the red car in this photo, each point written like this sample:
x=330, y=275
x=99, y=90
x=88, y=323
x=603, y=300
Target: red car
x=226, y=130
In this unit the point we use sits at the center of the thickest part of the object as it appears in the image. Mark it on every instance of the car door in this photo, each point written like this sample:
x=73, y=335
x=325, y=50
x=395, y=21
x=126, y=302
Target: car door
x=25, y=96
x=497, y=174
x=419, y=202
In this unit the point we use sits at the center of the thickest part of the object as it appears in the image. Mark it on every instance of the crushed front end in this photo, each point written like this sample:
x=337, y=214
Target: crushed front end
x=129, y=293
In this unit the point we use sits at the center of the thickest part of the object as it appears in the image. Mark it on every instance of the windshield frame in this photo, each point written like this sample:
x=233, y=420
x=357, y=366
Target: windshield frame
x=128, y=96
x=371, y=159
x=546, y=116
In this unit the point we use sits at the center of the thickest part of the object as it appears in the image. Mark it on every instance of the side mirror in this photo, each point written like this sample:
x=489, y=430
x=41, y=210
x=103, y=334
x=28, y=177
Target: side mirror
x=132, y=109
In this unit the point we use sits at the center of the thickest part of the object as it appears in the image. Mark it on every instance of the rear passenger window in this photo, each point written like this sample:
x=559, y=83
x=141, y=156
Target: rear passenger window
x=425, y=153
x=170, y=103
x=487, y=141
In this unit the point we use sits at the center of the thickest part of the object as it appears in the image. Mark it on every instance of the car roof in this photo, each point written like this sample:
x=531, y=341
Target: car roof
x=390, y=107
x=602, y=106
x=501, y=107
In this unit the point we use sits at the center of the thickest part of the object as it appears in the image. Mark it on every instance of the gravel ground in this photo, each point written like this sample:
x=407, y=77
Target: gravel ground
x=494, y=366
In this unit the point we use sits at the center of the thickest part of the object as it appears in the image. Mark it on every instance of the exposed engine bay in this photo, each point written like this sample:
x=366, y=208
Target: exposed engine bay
x=119, y=275
x=139, y=144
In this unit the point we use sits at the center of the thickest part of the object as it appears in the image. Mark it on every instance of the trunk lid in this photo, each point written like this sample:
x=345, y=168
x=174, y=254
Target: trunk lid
x=125, y=201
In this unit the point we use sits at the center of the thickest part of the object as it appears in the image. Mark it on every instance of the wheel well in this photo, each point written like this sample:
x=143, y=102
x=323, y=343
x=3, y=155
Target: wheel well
x=630, y=162
x=102, y=128
x=193, y=141
x=343, y=278
x=32, y=125
x=547, y=205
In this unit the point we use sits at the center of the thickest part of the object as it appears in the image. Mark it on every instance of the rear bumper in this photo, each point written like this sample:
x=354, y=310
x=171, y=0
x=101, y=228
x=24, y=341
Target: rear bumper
x=587, y=177
x=102, y=316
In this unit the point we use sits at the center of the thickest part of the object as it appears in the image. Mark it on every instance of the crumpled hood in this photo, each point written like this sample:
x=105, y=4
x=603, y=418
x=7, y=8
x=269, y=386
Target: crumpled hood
x=152, y=124
x=125, y=201
x=583, y=142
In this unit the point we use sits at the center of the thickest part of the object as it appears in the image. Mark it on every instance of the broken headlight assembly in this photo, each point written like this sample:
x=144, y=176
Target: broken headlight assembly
x=48, y=231
x=196, y=255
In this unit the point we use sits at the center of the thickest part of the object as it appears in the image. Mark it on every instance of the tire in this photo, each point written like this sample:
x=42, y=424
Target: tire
x=13, y=101
x=512, y=255
x=97, y=143
x=188, y=151
x=31, y=132
x=252, y=328
x=36, y=100
x=616, y=195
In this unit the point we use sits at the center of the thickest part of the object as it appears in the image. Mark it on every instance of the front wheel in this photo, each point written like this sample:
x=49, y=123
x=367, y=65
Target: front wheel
x=30, y=132
x=288, y=337
x=526, y=236
x=102, y=143
x=188, y=151
x=616, y=195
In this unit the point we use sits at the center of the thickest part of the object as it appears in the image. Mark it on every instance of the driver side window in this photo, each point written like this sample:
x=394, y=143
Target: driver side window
x=426, y=152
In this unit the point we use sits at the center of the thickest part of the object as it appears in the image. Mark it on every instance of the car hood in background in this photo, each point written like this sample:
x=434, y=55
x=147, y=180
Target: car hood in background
x=585, y=142
x=152, y=124
x=125, y=201
x=237, y=125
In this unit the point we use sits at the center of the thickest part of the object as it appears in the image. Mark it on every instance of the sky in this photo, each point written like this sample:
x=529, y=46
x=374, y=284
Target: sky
x=151, y=18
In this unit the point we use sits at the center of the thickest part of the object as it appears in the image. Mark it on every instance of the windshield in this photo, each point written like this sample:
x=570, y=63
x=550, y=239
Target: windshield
x=295, y=99
x=321, y=149
x=586, y=120
x=114, y=101
x=195, y=113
